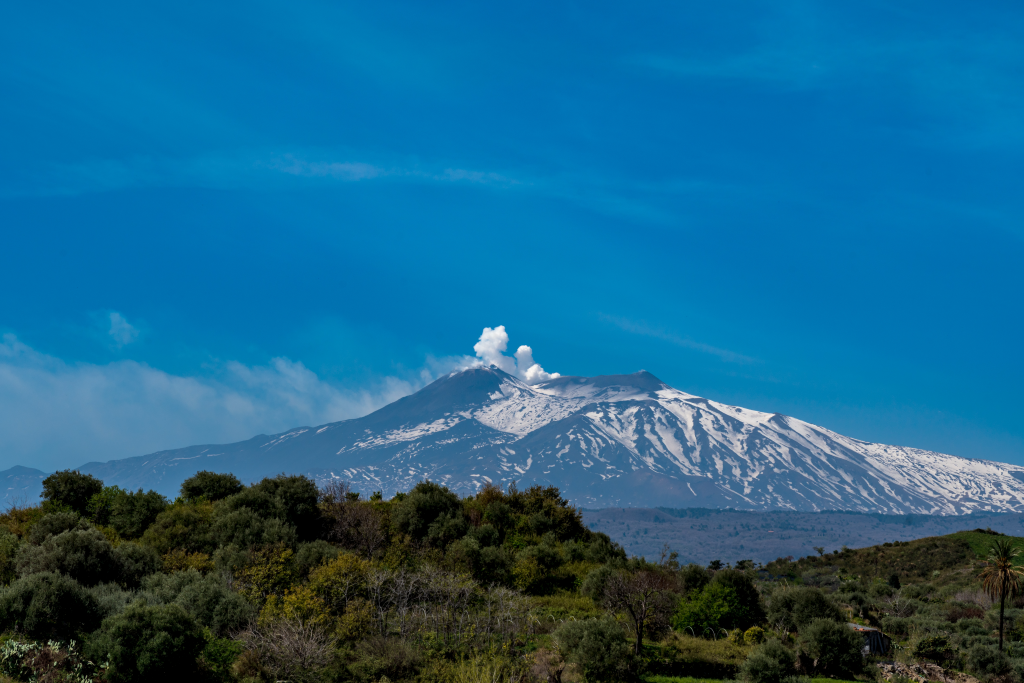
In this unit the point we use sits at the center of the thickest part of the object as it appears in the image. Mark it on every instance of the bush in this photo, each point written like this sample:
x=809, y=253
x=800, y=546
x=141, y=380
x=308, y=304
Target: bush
x=729, y=601
x=182, y=526
x=834, y=648
x=148, y=643
x=207, y=599
x=985, y=660
x=8, y=554
x=85, y=556
x=598, y=647
x=134, y=562
x=754, y=635
x=247, y=529
x=429, y=510
x=769, y=663
x=798, y=607
x=594, y=585
x=309, y=556
x=55, y=523
x=935, y=648
x=210, y=486
x=70, y=489
x=48, y=606
x=297, y=498
x=379, y=657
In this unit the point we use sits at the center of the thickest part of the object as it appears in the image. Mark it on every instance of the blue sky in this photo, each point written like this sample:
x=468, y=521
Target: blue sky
x=231, y=219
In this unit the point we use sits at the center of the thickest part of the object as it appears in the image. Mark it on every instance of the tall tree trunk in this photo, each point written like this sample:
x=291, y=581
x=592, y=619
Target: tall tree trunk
x=1002, y=604
x=639, y=637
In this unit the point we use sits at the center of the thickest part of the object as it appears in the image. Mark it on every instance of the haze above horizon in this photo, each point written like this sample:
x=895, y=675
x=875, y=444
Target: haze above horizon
x=226, y=220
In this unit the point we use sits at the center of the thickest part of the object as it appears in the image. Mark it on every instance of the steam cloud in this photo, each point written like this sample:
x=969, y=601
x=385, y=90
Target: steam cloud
x=491, y=351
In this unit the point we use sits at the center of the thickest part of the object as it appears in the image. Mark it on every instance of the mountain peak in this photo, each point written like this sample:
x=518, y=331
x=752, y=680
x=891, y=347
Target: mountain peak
x=610, y=440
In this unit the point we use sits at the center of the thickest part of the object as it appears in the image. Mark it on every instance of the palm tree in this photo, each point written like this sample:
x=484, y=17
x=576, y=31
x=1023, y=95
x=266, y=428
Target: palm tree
x=1000, y=578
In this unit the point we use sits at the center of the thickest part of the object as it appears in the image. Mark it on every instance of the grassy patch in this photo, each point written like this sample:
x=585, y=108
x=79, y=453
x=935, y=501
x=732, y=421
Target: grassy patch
x=980, y=542
x=694, y=659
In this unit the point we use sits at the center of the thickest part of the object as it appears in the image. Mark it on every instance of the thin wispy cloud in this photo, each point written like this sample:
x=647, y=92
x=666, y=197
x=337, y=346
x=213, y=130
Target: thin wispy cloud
x=643, y=329
x=120, y=330
x=76, y=412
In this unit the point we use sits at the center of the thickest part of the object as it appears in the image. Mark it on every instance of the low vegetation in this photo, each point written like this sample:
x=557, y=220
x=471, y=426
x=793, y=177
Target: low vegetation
x=287, y=581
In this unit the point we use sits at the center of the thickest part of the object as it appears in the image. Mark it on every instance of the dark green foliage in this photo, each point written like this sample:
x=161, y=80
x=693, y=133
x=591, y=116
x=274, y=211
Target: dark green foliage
x=311, y=555
x=85, y=556
x=182, y=525
x=485, y=534
x=55, y=523
x=834, y=648
x=597, y=646
x=797, y=607
x=694, y=577
x=135, y=562
x=771, y=662
x=129, y=512
x=729, y=601
x=429, y=510
x=8, y=554
x=987, y=660
x=894, y=581
x=594, y=585
x=377, y=658
x=206, y=599
x=111, y=598
x=297, y=497
x=148, y=643
x=935, y=648
x=246, y=528
x=494, y=566
x=71, y=489
x=218, y=656
x=210, y=486
x=48, y=606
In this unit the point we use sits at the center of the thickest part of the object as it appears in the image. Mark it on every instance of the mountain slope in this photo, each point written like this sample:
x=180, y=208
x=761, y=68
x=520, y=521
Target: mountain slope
x=617, y=440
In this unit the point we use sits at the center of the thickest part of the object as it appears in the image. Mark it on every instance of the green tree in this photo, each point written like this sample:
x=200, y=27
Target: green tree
x=158, y=644
x=85, y=556
x=48, y=606
x=834, y=648
x=598, y=647
x=71, y=489
x=429, y=510
x=1001, y=579
x=210, y=486
x=798, y=607
x=771, y=662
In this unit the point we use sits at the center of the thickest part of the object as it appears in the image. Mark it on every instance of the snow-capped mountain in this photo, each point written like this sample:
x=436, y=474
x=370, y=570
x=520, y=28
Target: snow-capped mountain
x=616, y=440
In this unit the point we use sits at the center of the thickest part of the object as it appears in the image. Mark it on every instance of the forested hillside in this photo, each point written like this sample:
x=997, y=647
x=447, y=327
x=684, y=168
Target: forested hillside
x=284, y=581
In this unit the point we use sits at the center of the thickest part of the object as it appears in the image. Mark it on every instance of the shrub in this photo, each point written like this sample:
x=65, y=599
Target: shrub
x=85, y=556
x=769, y=663
x=754, y=635
x=797, y=607
x=309, y=556
x=55, y=523
x=834, y=648
x=210, y=486
x=729, y=601
x=70, y=489
x=207, y=599
x=297, y=498
x=598, y=648
x=134, y=562
x=8, y=554
x=985, y=660
x=48, y=606
x=694, y=578
x=148, y=643
x=42, y=663
x=182, y=526
x=935, y=648
x=594, y=585
x=429, y=510
x=247, y=529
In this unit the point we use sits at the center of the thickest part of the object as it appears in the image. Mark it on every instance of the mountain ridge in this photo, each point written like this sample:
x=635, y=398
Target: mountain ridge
x=606, y=441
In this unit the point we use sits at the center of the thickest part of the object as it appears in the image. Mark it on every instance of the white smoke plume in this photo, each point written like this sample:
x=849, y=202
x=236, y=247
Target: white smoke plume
x=491, y=351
